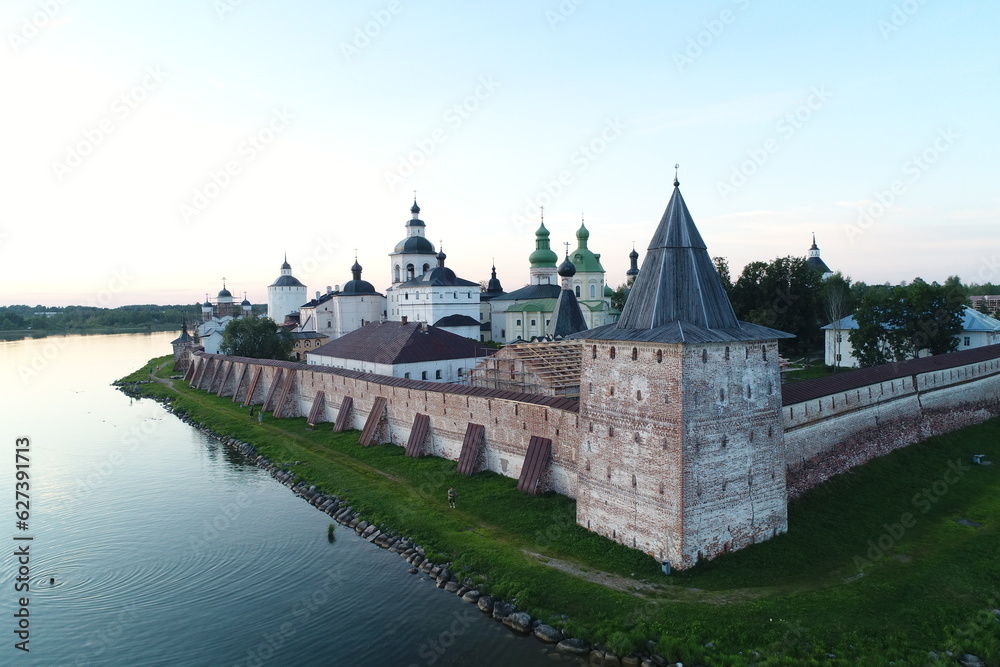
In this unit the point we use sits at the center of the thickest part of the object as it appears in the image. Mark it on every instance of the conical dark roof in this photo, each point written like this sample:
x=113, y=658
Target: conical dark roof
x=567, y=318
x=677, y=281
x=678, y=296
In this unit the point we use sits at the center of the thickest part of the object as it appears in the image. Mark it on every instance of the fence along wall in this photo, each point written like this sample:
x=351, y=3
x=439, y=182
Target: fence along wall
x=829, y=433
x=509, y=419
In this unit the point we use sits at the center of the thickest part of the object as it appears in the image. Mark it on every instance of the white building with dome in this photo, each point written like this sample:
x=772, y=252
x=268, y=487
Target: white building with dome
x=424, y=290
x=285, y=295
x=342, y=310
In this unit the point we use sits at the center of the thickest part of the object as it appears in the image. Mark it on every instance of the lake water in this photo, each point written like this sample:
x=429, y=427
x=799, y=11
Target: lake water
x=169, y=549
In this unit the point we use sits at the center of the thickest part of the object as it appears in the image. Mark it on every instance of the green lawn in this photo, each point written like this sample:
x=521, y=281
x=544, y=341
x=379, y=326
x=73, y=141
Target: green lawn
x=875, y=566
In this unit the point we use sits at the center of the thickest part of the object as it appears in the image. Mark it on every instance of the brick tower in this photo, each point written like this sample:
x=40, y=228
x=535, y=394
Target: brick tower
x=681, y=453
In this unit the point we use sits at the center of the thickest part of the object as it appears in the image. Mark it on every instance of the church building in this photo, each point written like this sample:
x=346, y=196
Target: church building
x=344, y=309
x=424, y=290
x=285, y=294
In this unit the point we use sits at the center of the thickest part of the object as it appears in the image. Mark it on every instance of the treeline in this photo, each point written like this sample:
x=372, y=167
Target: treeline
x=787, y=294
x=84, y=318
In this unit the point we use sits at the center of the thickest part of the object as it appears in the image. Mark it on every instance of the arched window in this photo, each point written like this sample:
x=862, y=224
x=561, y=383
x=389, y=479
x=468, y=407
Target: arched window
x=659, y=356
x=427, y=267
x=612, y=352
x=437, y=375
x=409, y=272
x=635, y=353
x=593, y=291
x=578, y=291
x=395, y=274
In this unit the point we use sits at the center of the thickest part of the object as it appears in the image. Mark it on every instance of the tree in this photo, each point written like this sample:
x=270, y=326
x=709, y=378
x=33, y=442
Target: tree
x=722, y=268
x=619, y=296
x=837, y=304
x=897, y=323
x=783, y=294
x=256, y=337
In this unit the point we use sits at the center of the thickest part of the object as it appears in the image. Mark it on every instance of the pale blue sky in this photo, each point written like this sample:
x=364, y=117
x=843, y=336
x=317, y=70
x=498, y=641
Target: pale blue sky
x=786, y=118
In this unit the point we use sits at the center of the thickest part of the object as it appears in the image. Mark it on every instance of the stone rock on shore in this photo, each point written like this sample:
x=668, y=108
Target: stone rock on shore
x=485, y=604
x=969, y=660
x=574, y=646
x=471, y=596
x=548, y=634
x=502, y=610
x=519, y=622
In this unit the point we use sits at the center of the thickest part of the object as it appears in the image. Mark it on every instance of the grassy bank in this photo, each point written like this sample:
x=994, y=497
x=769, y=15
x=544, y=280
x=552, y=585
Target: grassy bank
x=880, y=564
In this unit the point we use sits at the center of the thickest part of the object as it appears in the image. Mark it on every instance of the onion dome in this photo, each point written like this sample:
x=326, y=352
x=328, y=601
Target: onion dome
x=567, y=269
x=357, y=285
x=542, y=257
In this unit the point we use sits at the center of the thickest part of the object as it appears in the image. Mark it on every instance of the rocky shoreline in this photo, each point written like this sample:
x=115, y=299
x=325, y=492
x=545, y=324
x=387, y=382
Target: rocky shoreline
x=519, y=622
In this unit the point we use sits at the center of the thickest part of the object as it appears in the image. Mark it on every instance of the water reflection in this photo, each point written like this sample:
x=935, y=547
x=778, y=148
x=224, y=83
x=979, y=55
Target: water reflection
x=170, y=549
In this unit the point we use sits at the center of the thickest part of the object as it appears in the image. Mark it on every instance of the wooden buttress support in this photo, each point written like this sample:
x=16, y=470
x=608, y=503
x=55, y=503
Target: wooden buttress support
x=374, y=419
x=225, y=377
x=239, y=382
x=317, y=407
x=272, y=390
x=344, y=415
x=471, y=447
x=253, y=385
x=535, y=463
x=418, y=433
x=279, y=403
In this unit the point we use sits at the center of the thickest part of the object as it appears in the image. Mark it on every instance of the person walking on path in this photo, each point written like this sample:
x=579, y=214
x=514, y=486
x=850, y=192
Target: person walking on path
x=451, y=497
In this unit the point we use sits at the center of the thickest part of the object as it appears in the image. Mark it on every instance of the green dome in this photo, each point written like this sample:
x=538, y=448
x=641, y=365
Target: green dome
x=542, y=257
x=585, y=260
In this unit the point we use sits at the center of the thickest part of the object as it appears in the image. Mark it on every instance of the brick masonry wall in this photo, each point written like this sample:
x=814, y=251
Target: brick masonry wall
x=509, y=424
x=683, y=451
x=827, y=436
x=682, y=447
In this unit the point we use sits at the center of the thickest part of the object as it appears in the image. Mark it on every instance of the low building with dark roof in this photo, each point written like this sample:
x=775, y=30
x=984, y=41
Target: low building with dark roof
x=305, y=342
x=343, y=309
x=978, y=330
x=411, y=350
